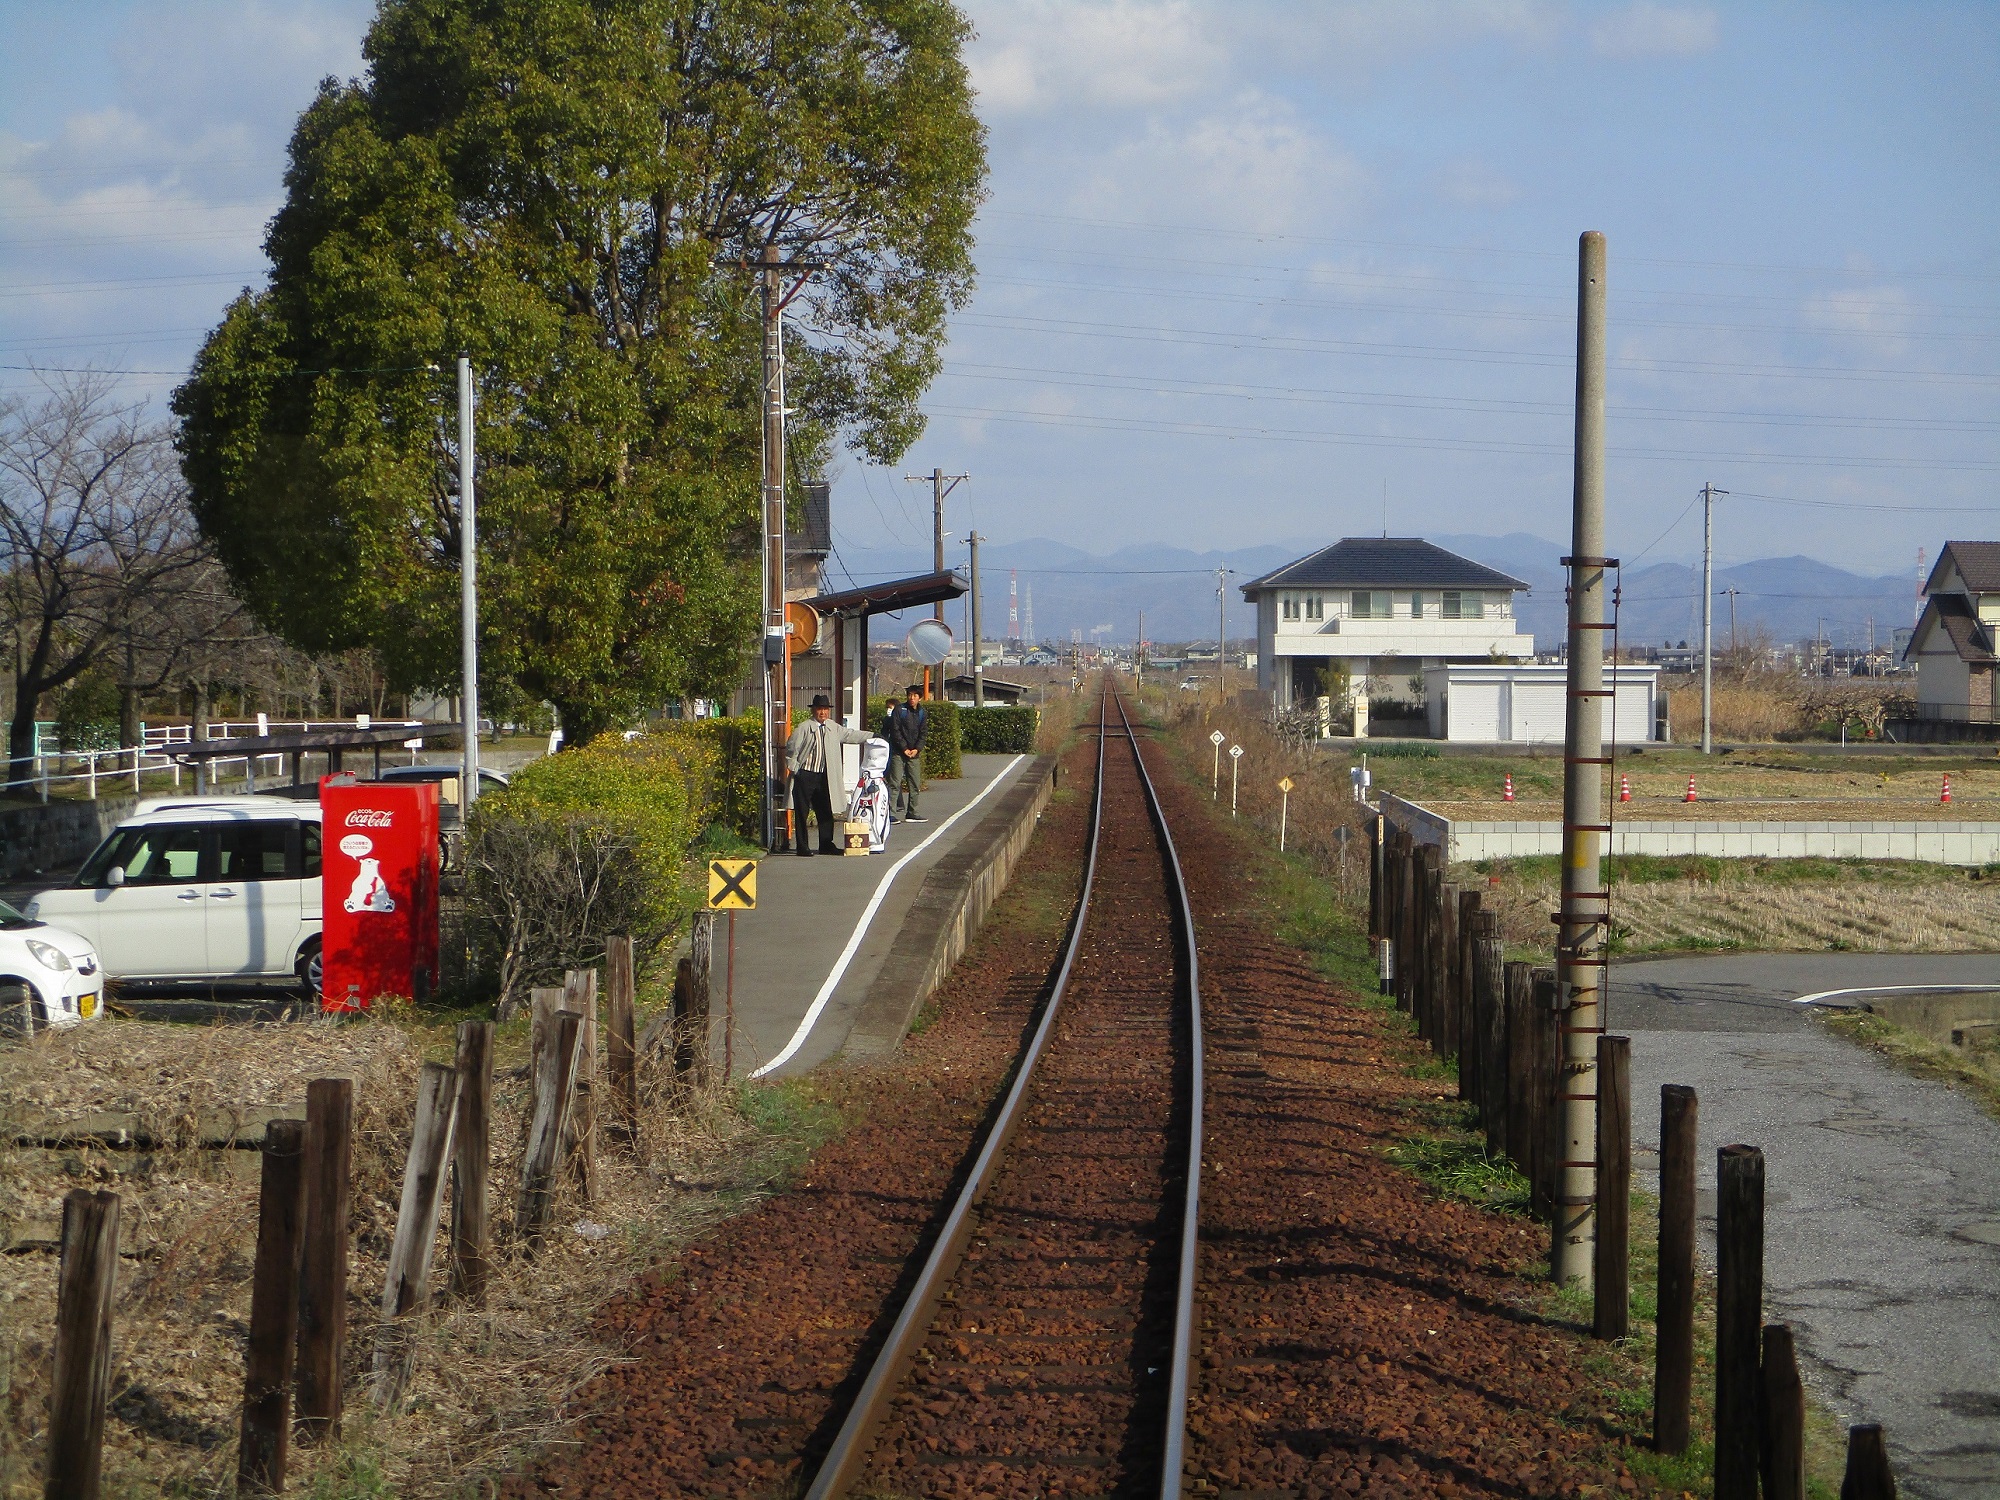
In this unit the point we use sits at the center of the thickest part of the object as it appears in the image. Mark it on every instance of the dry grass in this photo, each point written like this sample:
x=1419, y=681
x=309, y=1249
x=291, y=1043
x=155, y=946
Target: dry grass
x=1974, y=1069
x=490, y=1383
x=1763, y=906
x=1748, y=706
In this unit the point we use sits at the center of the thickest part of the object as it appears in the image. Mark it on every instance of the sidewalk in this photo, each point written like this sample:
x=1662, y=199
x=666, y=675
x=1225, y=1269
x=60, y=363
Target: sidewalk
x=824, y=927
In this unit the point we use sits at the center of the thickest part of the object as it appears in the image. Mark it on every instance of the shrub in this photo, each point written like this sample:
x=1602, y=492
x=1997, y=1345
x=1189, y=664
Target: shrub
x=580, y=846
x=941, y=746
x=997, y=731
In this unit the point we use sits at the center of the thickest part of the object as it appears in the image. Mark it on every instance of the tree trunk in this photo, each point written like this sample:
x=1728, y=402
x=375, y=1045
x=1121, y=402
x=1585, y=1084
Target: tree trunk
x=579, y=725
x=21, y=739
x=199, y=718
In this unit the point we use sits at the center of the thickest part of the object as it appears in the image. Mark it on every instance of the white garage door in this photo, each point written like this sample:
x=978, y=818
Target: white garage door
x=1538, y=712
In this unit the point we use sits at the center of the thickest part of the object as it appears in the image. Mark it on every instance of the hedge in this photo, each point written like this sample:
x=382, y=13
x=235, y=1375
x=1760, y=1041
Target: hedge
x=997, y=731
x=941, y=744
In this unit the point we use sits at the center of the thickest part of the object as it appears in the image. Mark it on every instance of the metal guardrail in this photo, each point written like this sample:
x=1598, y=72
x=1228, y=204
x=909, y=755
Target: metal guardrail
x=845, y=1459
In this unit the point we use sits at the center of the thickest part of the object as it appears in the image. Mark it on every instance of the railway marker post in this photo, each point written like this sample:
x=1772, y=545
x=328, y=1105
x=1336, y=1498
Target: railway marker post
x=1215, y=738
x=1284, y=808
x=732, y=887
x=1235, y=764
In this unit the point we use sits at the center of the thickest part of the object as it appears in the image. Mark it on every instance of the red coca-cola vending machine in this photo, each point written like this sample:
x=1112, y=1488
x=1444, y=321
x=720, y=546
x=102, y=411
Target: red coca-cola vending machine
x=379, y=890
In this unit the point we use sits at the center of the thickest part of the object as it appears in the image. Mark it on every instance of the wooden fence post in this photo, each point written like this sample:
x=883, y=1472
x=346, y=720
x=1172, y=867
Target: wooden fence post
x=1446, y=1041
x=1673, y=1367
x=471, y=1161
x=1489, y=1009
x=1407, y=951
x=1462, y=1008
x=544, y=1000
x=1611, y=1274
x=542, y=1157
x=1544, y=1067
x=1431, y=970
x=329, y=1168
x=264, y=1444
x=580, y=995
x=85, y=1285
x=1739, y=1319
x=1375, y=878
x=406, y=1289
x=691, y=1027
x=1520, y=1055
x=1868, y=1476
x=621, y=1052
x=1784, y=1403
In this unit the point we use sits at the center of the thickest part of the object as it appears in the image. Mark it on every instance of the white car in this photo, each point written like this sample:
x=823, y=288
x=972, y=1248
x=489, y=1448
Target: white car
x=217, y=889
x=49, y=977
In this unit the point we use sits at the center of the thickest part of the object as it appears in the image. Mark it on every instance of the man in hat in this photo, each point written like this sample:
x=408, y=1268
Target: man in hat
x=810, y=756
x=904, y=730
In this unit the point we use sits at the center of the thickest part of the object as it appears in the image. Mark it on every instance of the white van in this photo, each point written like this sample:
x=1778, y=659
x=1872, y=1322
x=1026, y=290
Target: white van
x=210, y=890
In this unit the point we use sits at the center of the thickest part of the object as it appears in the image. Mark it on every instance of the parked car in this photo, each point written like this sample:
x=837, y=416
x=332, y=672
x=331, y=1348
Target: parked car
x=204, y=890
x=451, y=817
x=49, y=976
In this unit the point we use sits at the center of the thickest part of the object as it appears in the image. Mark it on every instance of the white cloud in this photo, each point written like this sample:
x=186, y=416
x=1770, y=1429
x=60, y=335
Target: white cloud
x=1876, y=311
x=1252, y=165
x=1646, y=29
x=1047, y=54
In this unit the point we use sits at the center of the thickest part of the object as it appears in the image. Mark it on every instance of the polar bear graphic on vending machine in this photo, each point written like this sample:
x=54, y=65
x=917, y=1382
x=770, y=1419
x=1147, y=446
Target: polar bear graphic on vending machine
x=369, y=891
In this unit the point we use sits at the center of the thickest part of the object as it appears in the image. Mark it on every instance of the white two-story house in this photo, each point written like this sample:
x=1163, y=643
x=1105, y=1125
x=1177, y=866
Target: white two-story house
x=1956, y=645
x=1385, y=608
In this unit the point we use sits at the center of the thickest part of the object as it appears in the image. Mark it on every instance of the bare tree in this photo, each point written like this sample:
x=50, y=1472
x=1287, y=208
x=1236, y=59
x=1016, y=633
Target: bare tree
x=94, y=532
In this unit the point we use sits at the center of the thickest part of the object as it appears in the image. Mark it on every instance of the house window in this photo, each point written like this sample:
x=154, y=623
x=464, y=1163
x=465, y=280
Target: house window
x=1288, y=606
x=1315, y=607
x=1464, y=604
x=1369, y=604
x=1416, y=606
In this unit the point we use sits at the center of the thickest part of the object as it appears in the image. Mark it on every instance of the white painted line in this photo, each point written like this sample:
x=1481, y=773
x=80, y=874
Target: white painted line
x=868, y=915
x=1893, y=989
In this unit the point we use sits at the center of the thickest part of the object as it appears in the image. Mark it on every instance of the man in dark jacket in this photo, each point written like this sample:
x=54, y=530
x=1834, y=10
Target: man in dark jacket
x=904, y=729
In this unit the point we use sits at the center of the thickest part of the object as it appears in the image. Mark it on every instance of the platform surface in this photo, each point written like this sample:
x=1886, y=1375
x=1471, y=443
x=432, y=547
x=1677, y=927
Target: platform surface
x=812, y=912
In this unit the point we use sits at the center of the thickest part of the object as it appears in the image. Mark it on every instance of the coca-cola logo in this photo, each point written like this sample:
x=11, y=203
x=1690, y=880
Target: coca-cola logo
x=369, y=817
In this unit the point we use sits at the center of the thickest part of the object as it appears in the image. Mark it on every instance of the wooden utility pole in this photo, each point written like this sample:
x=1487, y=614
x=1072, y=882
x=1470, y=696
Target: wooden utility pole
x=1585, y=908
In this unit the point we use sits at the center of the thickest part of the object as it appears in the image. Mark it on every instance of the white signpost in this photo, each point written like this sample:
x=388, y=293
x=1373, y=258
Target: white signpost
x=1284, y=809
x=1215, y=739
x=1235, y=764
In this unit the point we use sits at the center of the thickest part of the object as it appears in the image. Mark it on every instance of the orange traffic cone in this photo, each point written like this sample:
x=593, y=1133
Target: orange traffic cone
x=1690, y=796
x=1624, y=788
x=1945, y=795
x=1507, y=795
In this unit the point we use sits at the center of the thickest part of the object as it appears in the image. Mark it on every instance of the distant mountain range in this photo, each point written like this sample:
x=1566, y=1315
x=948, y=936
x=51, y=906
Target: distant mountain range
x=1103, y=596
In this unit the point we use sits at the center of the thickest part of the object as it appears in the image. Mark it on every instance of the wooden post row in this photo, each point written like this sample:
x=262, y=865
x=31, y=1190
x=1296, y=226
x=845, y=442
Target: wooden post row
x=1868, y=1476
x=1544, y=1110
x=1446, y=1043
x=471, y=1160
x=1612, y=1250
x=328, y=1193
x=1490, y=1020
x=621, y=1051
x=1519, y=994
x=406, y=1289
x=264, y=1443
x=1673, y=1368
x=692, y=1008
x=85, y=1284
x=1739, y=1319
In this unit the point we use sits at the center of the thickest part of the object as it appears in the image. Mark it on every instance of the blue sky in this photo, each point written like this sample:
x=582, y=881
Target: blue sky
x=1250, y=268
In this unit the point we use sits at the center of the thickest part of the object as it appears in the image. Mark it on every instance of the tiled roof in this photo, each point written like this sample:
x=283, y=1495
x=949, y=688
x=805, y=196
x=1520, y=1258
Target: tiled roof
x=1390, y=562
x=1978, y=564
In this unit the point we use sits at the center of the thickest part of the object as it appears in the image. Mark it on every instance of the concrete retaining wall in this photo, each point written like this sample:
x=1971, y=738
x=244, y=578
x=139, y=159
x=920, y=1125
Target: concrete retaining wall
x=55, y=836
x=1942, y=843
x=952, y=902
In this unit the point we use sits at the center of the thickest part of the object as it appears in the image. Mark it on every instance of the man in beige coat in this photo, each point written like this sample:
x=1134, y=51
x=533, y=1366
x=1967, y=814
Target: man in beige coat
x=812, y=755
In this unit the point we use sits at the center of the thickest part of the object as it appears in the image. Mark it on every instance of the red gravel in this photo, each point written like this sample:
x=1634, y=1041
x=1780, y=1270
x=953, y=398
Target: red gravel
x=1046, y=1371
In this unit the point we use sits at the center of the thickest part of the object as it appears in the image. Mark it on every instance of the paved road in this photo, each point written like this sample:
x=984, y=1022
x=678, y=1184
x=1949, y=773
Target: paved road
x=1882, y=1240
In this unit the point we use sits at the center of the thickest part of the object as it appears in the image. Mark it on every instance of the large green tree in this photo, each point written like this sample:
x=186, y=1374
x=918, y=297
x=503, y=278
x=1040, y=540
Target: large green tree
x=569, y=192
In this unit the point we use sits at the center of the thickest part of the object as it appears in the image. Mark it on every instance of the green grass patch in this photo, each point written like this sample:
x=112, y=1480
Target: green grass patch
x=1658, y=869
x=1457, y=1166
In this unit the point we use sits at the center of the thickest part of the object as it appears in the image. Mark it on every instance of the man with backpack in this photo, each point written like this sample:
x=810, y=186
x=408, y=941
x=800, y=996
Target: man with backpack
x=904, y=729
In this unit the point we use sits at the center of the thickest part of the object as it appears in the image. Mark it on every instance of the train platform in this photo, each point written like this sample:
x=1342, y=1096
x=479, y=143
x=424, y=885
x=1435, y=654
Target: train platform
x=841, y=950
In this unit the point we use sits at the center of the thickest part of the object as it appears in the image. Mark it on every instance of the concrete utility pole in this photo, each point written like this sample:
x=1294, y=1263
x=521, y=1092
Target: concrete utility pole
x=1708, y=494
x=978, y=659
x=1221, y=637
x=1585, y=907
x=1732, y=593
x=941, y=484
x=468, y=590
x=777, y=659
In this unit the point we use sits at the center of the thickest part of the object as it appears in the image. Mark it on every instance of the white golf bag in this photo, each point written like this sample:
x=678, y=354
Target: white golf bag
x=871, y=794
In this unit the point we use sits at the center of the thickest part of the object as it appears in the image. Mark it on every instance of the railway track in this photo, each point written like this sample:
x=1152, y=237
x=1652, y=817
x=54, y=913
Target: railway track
x=1046, y=1344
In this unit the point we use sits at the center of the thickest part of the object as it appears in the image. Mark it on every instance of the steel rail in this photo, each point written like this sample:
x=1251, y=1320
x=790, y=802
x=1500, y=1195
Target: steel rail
x=849, y=1452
